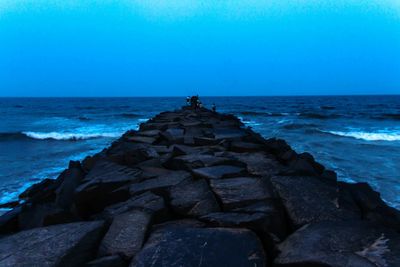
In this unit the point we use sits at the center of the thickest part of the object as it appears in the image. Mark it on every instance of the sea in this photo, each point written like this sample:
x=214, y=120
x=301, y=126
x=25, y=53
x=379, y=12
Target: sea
x=356, y=136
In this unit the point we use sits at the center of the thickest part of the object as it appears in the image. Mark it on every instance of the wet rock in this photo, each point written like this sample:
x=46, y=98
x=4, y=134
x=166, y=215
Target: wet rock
x=9, y=222
x=218, y=172
x=58, y=245
x=147, y=202
x=43, y=191
x=126, y=234
x=201, y=247
x=241, y=191
x=308, y=199
x=193, y=198
x=337, y=244
x=373, y=208
x=108, y=261
x=160, y=184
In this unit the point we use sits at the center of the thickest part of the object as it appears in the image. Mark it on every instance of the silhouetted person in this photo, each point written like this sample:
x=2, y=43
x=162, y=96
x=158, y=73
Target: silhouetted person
x=214, y=108
x=193, y=101
x=188, y=101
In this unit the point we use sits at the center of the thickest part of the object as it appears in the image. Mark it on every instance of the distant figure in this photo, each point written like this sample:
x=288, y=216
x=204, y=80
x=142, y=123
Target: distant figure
x=188, y=101
x=214, y=108
x=194, y=101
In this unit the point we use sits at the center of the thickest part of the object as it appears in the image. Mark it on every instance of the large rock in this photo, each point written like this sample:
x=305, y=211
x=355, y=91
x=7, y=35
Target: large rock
x=218, y=172
x=309, y=199
x=193, y=198
x=192, y=161
x=107, y=261
x=148, y=202
x=161, y=183
x=241, y=191
x=59, y=245
x=337, y=244
x=71, y=178
x=95, y=191
x=201, y=247
x=126, y=234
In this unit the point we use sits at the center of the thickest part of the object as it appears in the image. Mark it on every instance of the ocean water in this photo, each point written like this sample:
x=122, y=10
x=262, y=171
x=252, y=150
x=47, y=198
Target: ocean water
x=357, y=136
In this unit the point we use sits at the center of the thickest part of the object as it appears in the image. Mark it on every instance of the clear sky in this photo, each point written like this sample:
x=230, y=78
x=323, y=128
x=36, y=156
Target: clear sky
x=210, y=47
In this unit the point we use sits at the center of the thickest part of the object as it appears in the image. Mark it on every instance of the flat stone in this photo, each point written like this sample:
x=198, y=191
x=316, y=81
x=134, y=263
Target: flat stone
x=192, y=161
x=108, y=261
x=241, y=191
x=337, y=244
x=193, y=198
x=160, y=184
x=70, y=244
x=308, y=199
x=71, y=178
x=228, y=134
x=257, y=163
x=148, y=202
x=218, y=172
x=243, y=147
x=201, y=247
x=126, y=234
x=141, y=139
x=95, y=191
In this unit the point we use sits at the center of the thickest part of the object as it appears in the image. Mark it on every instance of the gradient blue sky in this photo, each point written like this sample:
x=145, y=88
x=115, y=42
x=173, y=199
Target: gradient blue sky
x=171, y=47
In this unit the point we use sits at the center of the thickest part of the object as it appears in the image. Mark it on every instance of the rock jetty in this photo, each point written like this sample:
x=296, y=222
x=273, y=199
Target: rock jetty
x=194, y=187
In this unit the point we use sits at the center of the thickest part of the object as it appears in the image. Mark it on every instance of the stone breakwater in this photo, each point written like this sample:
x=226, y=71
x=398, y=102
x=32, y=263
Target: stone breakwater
x=197, y=188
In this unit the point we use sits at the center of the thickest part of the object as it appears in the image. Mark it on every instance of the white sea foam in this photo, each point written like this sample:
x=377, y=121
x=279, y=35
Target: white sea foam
x=70, y=136
x=369, y=136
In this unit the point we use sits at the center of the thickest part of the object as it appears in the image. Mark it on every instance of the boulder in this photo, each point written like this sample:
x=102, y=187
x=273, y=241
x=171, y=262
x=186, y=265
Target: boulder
x=201, y=247
x=58, y=245
x=337, y=244
x=43, y=191
x=148, y=202
x=95, y=191
x=218, y=172
x=108, y=261
x=257, y=163
x=309, y=199
x=193, y=198
x=240, y=191
x=126, y=234
x=192, y=161
x=160, y=184
x=71, y=178
x=243, y=147
x=173, y=135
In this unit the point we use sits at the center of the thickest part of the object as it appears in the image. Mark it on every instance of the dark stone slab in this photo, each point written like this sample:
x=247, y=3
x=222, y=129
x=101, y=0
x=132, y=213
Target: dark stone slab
x=126, y=234
x=58, y=245
x=243, y=147
x=71, y=178
x=148, y=202
x=160, y=184
x=309, y=199
x=193, y=198
x=192, y=161
x=218, y=172
x=337, y=244
x=241, y=191
x=95, y=191
x=141, y=139
x=201, y=247
x=108, y=261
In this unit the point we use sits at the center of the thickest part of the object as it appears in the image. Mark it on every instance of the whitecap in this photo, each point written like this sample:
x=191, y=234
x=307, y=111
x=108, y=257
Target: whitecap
x=69, y=136
x=369, y=136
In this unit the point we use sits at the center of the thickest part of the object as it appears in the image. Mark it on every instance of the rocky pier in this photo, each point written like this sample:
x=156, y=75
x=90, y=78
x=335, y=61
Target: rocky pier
x=194, y=187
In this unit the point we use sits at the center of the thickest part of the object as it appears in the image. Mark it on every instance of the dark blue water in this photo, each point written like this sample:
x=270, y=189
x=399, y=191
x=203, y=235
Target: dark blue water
x=357, y=136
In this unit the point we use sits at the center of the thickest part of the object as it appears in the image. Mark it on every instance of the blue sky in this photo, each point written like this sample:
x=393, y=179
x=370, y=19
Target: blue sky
x=160, y=48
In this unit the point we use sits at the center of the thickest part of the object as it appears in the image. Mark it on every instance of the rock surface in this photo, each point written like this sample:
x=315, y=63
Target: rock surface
x=197, y=188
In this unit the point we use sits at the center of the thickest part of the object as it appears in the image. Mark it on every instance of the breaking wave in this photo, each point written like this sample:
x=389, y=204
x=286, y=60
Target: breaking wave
x=368, y=136
x=68, y=136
